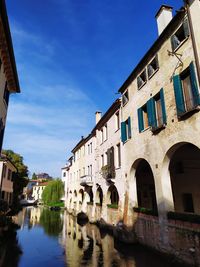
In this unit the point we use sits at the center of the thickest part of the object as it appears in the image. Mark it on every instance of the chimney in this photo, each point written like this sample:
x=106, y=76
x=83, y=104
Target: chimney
x=98, y=116
x=163, y=16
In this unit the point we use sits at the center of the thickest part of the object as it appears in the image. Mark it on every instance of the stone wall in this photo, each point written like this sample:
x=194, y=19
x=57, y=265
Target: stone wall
x=181, y=241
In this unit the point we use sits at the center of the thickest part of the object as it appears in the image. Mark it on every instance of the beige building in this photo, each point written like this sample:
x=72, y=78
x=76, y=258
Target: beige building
x=7, y=169
x=8, y=73
x=155, y=188
x=38, y=190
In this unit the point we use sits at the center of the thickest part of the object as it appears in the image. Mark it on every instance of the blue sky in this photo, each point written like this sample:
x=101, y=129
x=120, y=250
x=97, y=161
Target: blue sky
x=72, y=57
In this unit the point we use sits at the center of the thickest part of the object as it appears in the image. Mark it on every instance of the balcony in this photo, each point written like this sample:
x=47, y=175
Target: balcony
x=108, y=172
x=86, y=180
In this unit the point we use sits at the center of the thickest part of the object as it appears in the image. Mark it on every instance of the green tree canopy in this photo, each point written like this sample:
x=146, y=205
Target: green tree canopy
x=34, y=177
x=53, y=191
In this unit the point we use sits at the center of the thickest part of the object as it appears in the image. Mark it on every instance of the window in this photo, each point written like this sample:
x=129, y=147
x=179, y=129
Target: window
x=153, y=113
x=117, y=121
x=83, y=171
x=6, y=93
x=126, y=130
x=118, y=155
x=180, y=35
x=91, y=170
x=101, y=135
x=105, y=133
x=125, y=98
x=186, y=91
x=102, y=160
x=152, y=67
x=188, y=202
x=91, y=148
x=141, y=79
x=64, y=174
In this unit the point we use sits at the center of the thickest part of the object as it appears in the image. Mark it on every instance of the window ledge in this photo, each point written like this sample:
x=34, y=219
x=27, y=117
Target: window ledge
x=117, y=168
x=156, y=130
x=117, y=130
x=181, y=44
x=189, y=112
x=142, y=85
x=126, y=141
x=145, y=129
x=124, y=104
x=153, y=73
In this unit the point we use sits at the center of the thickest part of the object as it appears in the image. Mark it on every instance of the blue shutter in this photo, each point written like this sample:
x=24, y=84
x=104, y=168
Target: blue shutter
x=129, y=127
x=151, y=112
x=140, y=120
x=180, y=107
x=163, y=106
x=123, y=132
x=194, y=85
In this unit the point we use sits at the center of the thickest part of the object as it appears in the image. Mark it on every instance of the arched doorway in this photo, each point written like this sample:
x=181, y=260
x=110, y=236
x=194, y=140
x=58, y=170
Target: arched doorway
x=113, y=196
x=145, y=186
x=184, y=169
x=99, y=196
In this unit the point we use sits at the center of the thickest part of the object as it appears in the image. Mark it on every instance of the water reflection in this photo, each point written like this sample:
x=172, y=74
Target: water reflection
x=51, y=222
x=10, y=250
x=50, y=238
x=90, y=247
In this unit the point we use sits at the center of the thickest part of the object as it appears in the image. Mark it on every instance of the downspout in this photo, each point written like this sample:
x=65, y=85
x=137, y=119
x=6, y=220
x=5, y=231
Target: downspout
x=193, y=40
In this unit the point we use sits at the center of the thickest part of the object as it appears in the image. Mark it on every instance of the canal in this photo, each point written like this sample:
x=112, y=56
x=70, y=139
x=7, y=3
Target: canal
x=40, y=237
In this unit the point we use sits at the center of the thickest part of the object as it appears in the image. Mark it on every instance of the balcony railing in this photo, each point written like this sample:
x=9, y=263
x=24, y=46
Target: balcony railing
x=86, y=180
x=108, y=172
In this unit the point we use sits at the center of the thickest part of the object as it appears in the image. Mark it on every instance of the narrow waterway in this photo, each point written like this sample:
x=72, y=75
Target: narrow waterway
x=48, y=238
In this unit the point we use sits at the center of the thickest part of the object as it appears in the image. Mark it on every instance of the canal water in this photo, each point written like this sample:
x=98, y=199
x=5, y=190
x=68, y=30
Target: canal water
x=41, y=237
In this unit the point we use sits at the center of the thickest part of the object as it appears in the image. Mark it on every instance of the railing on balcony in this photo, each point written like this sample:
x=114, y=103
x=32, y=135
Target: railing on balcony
x=86, y=180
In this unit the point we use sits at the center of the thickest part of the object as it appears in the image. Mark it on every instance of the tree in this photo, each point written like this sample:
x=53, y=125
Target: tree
x=34, y=177
x=53, y=191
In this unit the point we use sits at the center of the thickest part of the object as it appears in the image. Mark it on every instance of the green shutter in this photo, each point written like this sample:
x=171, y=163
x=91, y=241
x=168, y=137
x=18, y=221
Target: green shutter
x=194, y=85
x=151, y=112
x=180, y=107
x=163, y=106
x=123, y=132
x=129, y=127
x=140, y=120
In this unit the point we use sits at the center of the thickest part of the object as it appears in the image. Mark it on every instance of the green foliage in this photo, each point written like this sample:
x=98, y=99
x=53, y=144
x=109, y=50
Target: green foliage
x=186, y=217
x=113, y=206
x=145, y=211
x=34, y=177
x=53, y=191
x=17, y=160
x=56, y=204
x=51, y=222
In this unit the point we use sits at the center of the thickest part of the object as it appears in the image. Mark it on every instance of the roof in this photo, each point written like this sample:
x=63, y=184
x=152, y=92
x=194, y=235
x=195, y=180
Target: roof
x=112, y=109
x=4, y=158
x=4, y=19
x=166, y=33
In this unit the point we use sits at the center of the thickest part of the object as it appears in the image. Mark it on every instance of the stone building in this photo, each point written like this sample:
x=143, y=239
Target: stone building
x=8, y=73
x=37, y=190
x=7, y=168
x=156, y=190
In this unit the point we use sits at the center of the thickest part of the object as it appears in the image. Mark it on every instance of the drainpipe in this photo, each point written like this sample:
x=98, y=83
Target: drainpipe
x=193, y=39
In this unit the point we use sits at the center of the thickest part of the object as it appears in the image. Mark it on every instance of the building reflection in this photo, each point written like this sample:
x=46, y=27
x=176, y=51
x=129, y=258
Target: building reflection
x=10, y=250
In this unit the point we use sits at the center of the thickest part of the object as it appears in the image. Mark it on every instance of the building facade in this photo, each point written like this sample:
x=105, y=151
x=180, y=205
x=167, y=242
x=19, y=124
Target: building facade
x=7, y=169
x=8, y=73
x=37, y=190
x=155, y=187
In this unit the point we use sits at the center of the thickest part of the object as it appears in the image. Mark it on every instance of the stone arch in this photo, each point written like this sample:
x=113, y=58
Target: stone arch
x=181, y=168
x=99, y=196
x=112, y=195
x=144, y=184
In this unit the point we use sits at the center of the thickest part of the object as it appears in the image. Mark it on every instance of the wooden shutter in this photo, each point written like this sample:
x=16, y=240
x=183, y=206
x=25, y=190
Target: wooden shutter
x=178, y=92
x=140, y=120
x=194, y=85
x=123, y=132
x=164, y=116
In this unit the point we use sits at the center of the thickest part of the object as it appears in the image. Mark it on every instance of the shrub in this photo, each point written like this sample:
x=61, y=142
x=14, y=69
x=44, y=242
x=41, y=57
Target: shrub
x=113, y=206
x=145, y=211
